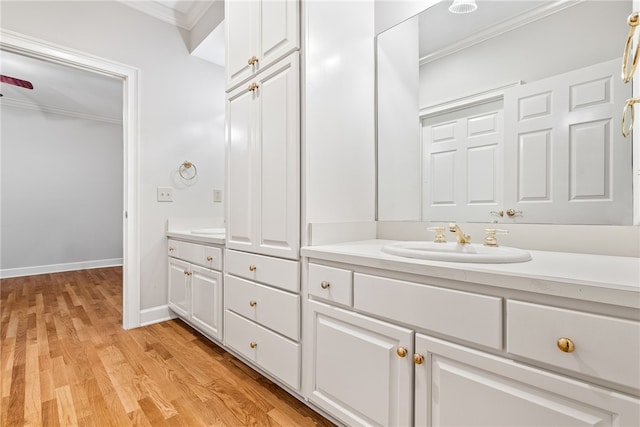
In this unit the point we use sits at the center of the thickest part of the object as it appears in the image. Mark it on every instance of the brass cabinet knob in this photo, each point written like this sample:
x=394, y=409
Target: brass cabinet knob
x=209, y=258
x=185, y=273
x=418, y=359
x=252, y=60
x=325, y=284
x=252, y=303
x=253, y=344
x=401, y=352
x=566, y=345
x=252, y=268
x=253, y=86
x=171, y=249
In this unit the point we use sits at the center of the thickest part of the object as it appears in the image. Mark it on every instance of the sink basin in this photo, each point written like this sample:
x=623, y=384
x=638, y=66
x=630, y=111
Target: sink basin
x=208, y=231
x=453, y=251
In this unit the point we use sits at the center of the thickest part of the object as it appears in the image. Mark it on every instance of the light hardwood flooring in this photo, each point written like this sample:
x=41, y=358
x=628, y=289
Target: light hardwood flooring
x=65, y=361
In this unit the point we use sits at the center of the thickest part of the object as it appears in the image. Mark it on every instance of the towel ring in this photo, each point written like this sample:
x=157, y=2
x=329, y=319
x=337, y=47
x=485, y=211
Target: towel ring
x=626, y=129
x=627, y=74
x=184, y=168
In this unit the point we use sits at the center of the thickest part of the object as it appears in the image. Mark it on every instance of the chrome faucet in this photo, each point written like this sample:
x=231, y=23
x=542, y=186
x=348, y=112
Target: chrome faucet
x=462, y=238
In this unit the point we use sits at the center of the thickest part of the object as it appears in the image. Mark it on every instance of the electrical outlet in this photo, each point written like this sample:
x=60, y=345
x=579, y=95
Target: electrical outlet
x=165, y=194
x=217, y=196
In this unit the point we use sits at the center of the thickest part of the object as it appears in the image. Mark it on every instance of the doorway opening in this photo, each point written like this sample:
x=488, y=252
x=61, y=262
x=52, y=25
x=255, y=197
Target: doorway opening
x=38, y=49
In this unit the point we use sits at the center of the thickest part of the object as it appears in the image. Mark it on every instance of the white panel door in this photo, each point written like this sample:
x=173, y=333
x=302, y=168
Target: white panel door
x=459, y=386
x=178, y=287
x=240, y=117
x=266, y=30
x=278, y=160
x=562, y=138
x=358, y=375
x=206, y=301
x=462, y=158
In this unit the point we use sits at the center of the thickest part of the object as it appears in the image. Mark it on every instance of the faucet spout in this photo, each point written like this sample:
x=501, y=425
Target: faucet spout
x=462, y=238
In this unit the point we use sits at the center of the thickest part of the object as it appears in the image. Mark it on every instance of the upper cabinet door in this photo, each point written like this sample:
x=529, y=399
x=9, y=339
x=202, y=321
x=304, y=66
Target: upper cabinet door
x=258, y=33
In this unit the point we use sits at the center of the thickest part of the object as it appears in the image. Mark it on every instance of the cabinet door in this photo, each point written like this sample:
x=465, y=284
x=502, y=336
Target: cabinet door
x=265, y=30
x=206, y=301
x=358, y=375
x=178, y=291
x=278, y=160
x=459, y=386
x=263, y=163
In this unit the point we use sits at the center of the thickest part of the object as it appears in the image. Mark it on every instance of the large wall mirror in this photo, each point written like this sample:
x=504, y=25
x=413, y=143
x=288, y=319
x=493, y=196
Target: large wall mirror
x=510, y=113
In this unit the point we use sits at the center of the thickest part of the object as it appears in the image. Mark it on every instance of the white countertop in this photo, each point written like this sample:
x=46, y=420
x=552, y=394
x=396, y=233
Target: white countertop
x=191, y=236
x=599, y=278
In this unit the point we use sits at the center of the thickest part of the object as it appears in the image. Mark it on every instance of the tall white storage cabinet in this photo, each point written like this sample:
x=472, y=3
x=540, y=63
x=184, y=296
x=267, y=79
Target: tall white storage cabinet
x=262, y=278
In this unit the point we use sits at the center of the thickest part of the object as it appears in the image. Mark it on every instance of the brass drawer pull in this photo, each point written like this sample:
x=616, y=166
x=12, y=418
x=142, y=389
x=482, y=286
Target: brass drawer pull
x=418, y=359
x=252, y=87
x=325, y=285
x=209, y=258
x=252, y=60
x=566, y=345
x=252, y=268
x=253, y=344
x=171, y=249
x=252, y=303
x=401, y=352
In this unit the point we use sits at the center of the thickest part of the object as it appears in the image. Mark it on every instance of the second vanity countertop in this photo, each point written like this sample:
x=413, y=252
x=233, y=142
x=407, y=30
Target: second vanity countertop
x=217, y=239
x=599, y=278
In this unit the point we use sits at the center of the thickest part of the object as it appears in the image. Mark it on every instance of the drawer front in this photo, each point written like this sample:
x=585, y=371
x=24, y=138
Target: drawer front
x=272, y=308
x=205, y=256
x=331, y=284
x=270, y=351
x=283, y=274
x=604, y=347
x=471, y=317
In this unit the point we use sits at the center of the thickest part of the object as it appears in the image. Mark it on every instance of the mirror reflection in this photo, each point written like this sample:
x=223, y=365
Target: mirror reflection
x=508, y=114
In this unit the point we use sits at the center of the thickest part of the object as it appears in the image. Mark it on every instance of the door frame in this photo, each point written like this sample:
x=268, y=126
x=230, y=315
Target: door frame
x=40, y=49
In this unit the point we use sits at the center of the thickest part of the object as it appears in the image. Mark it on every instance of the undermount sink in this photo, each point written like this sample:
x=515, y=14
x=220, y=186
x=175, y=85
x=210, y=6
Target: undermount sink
x=456, y=252
x=208, y=231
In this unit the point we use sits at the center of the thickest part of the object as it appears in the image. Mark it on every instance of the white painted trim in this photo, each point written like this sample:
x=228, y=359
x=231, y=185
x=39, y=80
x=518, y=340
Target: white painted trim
x=57, y=268
x=503, y=27
x=149, y=316
x=467, y=101
x=338, y=232
x=186, y=20
x=40, y=49
x=26, y=105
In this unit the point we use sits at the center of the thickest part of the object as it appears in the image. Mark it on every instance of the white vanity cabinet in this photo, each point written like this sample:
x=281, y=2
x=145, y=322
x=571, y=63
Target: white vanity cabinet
x=262, y=313
x=195, y=285
x=416, y=350
x=263, y=162
x=258, y=33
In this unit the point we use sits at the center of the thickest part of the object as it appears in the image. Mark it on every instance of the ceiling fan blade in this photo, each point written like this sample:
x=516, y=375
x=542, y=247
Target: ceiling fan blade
x=16, y=82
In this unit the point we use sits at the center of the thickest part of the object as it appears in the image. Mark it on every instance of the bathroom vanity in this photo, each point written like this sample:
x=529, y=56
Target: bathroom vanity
x=400, y=341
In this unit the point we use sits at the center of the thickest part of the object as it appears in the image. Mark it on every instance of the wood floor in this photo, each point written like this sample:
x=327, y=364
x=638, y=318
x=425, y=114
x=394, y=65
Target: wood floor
x=66, y=361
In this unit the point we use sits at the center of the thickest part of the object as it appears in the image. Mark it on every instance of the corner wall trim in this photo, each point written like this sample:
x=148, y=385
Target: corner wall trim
x=57, y=268
x=158, y=314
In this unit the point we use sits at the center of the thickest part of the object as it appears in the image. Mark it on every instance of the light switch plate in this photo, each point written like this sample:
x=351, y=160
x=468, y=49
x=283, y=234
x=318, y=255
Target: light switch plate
x=165, y=194
x=217, y=196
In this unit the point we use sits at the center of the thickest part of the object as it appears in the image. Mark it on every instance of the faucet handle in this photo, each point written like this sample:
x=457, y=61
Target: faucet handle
x=439, y=237
x=490, y=238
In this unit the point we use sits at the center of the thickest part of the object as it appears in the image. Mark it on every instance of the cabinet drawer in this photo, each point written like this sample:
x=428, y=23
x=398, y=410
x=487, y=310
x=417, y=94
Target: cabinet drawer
x=272, y=352
x=605, y=347
x=283, y=274
x=273, y=308
x=331, y=284
x=471, y=317
x=205, y=256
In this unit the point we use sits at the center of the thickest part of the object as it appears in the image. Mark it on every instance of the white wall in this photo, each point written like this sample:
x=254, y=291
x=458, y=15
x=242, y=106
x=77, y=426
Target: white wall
x=181, y=110
x=338, y=118
x=61, y=192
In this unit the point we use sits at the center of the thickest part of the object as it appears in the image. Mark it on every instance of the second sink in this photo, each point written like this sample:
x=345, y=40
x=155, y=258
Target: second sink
x=456, y=252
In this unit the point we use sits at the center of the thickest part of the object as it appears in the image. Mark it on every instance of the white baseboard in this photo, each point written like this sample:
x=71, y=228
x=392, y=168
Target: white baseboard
x=57, y=268
x=158, y=314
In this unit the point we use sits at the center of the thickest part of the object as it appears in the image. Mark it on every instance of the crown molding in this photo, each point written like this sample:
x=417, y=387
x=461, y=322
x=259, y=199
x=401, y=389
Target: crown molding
x=170, y=15
x=501, y=28
x=14, y=103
